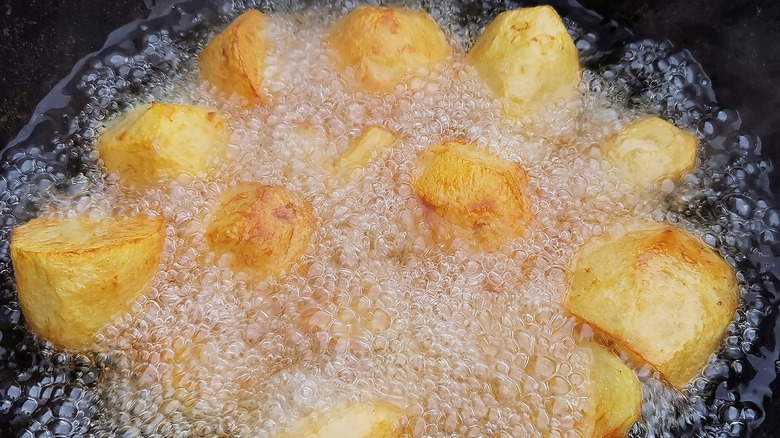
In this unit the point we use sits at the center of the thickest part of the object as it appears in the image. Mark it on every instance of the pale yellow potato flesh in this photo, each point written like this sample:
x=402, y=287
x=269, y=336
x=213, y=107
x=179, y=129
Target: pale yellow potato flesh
x=359, y=420
x=615, y=400
x=649, y=150
x=163, y=140
x=472, y=194
x=370, y=143
x=234, y=60
x=658, y=293
x=74, y=275
x=383, y=45
x=528, y=60
x=263, y=229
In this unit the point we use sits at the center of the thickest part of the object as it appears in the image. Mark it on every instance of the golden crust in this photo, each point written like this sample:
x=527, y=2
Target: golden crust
x=158, y=139
x=472, y=194
x=234, y=61
x=384, y=44
x=651, y=149
x=74, y=275
x=527, y=58
x=659, y=294
x=263, y=229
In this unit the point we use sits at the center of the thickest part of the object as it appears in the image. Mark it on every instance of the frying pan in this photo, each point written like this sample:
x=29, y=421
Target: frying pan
x=726, y=68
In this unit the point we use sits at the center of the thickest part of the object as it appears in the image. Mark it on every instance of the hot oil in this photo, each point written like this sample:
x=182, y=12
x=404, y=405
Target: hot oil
x=467, y=343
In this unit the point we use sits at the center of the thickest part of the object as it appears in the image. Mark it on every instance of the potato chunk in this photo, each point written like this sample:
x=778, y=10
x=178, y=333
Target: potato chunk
x=527, y=58
x=657, y=292
x=384, y=44
x=366, y=420
x=651, y=149
x=472, y=194
x=234, y=61
x=615, y=396
x=157, y=140
x=262, y=229
x=74, y=275
x=372, y=141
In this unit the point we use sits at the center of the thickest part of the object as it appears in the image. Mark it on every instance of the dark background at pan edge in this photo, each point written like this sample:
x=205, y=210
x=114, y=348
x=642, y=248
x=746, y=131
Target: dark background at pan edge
x=736, y=42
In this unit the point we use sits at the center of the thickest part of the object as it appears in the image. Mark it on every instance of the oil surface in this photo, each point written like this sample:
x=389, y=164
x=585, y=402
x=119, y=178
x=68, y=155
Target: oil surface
x=469, y=344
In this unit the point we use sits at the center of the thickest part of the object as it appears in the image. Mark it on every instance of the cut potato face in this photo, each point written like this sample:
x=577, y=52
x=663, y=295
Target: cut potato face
x=615, y=396
x=658, y=293
x=157, y=140
x=74, y=275
x=371, y=142
x=234, y=61
x=527, y=58
x=651, y=149
x=367, y=420
x=472, y=194
x=383, y=45
x=261, y=229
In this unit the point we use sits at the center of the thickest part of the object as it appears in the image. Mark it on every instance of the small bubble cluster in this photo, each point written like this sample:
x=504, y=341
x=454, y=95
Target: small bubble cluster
x=469, y=344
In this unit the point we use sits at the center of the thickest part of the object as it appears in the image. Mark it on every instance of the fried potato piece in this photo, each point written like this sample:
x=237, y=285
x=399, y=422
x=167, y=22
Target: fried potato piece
x=366, y=420
x=659, y=293
x=263, y=229
x=74, y=275
x=234, y=61
x=158, y=139
x=651, y=149
x=384, y=44
x=615, y=400
x=472, y=194
x=371, y=142
x=527, y=58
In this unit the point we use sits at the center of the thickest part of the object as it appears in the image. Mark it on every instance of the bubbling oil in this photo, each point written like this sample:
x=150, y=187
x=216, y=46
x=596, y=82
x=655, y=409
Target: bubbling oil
x=467, y=344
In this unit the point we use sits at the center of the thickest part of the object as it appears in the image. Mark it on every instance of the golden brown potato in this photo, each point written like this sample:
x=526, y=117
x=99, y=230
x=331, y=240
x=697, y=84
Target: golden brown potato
x=74, y=275
x=527, y=58
x=657, y=292
x=263, y=229
x=157, y=140
x=384, y=44
x=234, y=61
x=615, y=400
x=371, y=142
x=366, y=420
x=651, y=149
x=471, y=194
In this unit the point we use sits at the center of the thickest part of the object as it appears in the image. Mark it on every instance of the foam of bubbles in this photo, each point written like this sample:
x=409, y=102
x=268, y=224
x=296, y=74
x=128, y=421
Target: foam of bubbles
x=468, y=344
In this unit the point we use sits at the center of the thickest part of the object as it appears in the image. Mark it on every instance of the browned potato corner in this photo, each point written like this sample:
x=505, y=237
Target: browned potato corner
x=234, y=61
x=658, y=293
x=472, y=194
x=528, y=59
x=163, y=140
x=262, y=229
x=384, y=44
x=651, y=149
x=74, y=275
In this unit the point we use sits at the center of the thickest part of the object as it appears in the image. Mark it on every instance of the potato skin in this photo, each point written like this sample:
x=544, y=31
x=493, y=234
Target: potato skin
x=234, y=61
x=615, y=395
x=527, y=58
x=651, y=149
x=74, y=275
x=383, y=44
x=156, y=140
x=264, y=229
x=659, y=294
x=472, y=194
